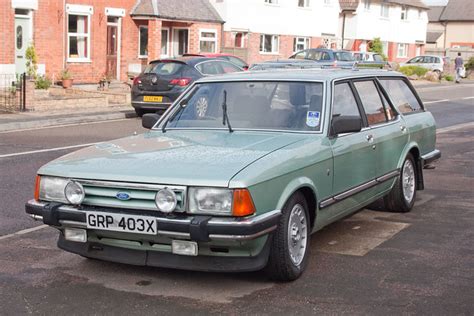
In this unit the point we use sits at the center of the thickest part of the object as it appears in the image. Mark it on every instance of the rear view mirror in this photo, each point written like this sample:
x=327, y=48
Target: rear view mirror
x=149, y=120
x=345, y=124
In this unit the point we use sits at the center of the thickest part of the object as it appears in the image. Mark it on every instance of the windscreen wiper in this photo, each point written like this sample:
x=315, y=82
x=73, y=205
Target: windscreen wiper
x=225, y=117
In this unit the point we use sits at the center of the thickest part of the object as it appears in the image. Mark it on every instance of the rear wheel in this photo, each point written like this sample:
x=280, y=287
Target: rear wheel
x=403, y=194
x=290, y=244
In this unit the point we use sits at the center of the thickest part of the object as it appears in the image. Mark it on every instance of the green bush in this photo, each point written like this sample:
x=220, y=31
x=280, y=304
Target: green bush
x=31, y=61
x=413, y=70
x=470, y=64
x=448, y=78
x=42, y=82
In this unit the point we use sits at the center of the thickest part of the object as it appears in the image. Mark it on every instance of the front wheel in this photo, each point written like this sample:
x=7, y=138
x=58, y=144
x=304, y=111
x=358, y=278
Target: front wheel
x=403, y=194
x=290, y=244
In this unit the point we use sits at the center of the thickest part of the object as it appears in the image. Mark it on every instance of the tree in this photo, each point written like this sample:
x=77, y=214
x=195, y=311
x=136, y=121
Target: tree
x=31, y=61
x=376, y=46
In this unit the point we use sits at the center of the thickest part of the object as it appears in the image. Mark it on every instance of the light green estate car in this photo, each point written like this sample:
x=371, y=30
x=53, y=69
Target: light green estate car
x=239, y=172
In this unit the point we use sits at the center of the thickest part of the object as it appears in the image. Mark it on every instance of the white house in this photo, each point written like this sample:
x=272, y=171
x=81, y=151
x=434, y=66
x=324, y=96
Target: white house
x=401, y=25
x=268, y=29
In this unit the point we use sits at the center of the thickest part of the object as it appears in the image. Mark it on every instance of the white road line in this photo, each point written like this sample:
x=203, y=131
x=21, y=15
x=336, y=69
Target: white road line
x=454, y=127
x=437, y=101
x=62, y=125
x=468, y=98
x=46, y=150
x=22, y=232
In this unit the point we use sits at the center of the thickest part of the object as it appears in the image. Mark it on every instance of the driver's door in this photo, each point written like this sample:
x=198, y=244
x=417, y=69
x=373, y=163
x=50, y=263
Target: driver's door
x=354, y=156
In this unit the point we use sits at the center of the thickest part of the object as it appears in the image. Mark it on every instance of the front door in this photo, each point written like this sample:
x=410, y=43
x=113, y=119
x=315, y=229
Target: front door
x=112, y=47
x=22, y=39
x=180, y=42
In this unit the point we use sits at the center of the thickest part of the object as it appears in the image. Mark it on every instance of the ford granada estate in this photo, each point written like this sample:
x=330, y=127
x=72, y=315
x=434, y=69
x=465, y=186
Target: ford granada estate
x=241, y=169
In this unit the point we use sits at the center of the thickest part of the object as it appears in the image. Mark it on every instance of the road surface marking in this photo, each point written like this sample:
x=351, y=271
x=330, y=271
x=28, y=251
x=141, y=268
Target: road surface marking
x=46, y=150
x=62, y=125
x=437, y=101
x=22, y=232
x=454, y=127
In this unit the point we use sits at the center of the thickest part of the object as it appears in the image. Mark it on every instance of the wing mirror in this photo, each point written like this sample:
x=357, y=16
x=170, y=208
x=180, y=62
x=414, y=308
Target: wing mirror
x=345, y=124
x=149, y=120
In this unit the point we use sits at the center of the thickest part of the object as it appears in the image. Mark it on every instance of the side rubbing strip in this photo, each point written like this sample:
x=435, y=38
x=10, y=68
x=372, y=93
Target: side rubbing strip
x=344, y=195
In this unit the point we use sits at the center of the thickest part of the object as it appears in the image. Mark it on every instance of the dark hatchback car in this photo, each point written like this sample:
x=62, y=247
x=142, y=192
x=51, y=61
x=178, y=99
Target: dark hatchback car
x=163, y=81
x=327, y=57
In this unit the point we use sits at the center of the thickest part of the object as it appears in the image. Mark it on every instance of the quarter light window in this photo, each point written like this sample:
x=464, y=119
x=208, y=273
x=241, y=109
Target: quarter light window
x=401, y=95
x=78, y=33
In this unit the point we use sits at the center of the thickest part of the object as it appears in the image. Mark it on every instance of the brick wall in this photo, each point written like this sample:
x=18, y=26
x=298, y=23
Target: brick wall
x=7, y=25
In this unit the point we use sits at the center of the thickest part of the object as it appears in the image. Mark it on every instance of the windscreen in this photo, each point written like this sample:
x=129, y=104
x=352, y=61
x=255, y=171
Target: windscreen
x=294, y=106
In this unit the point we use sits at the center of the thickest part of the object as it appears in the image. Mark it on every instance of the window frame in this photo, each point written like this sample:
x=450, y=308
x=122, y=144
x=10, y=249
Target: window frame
x=87, y=35
x=306, y=43
x=271, y=2
x=367, y=5
x=140, y=27
x=384, y=11
x=405, y=53
x=262, y=44
x=208, y=39
x=404, y=13
x=306, y=4
x=381, y=96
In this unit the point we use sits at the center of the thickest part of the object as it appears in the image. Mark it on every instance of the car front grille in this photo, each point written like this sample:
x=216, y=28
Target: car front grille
x=141, y=196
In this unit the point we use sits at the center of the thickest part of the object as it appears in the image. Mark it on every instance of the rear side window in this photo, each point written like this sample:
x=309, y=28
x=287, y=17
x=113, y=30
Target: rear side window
x=344, y=103
x=163, y=69
x=373, y=106
x=237, y=61
x=401, y=95
x=217, y=67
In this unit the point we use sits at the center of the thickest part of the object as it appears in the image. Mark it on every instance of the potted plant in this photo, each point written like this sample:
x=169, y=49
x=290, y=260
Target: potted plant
x=66, y=79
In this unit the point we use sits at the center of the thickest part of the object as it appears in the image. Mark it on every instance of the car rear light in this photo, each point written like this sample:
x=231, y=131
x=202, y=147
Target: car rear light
x=182, y=82
x=136, y=81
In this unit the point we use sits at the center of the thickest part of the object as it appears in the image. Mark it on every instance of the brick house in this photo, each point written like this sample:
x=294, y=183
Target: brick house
x=260, y=30
x=400, y=24
x=97, y=38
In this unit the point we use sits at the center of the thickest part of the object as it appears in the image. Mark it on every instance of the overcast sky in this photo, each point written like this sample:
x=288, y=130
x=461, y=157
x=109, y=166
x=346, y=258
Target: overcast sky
x=435, y=2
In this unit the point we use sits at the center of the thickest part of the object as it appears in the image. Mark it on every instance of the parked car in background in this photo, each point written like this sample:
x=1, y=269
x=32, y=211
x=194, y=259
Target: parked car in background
x=369, y=60
x=241, y=170
x=327, y=57
x=433, y=63
x=164, y=80
x=229, y=57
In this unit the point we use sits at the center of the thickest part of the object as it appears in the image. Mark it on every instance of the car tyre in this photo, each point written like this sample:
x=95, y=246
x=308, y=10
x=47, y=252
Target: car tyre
x=403, y=194
x=290, y=244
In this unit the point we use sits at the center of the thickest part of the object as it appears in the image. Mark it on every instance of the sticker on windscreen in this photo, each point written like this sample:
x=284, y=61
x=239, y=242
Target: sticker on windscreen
x=313, y=118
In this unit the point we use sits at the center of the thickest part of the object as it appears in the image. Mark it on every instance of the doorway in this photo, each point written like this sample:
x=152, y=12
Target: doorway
x=180, y=41
x=22, y=38
x=113, y=47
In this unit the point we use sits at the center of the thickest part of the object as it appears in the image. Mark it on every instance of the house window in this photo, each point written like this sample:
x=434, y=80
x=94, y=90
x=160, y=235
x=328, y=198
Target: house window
x=207, y=41
x=367, y=5
x=143, y=41
x=303, y=3
x=402, y=50
x=327, y=2
x=239, y=40
x=165, y=34
x=268, y=43
x=420, y=14
x=271, y=1
x=384, y=10
x=404, y=14
x=78, y=32
x=300, y=43
x=385, y=48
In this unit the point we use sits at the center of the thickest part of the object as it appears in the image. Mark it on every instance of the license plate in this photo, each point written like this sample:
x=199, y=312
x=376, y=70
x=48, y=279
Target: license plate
x=151, y=98
x=122, y=223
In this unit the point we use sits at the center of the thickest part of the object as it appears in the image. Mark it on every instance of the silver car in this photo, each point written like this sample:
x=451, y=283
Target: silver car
x=433, y=63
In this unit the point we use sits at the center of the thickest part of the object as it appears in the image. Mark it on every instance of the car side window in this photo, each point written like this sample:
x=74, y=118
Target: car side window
x=371, y=101
x=300, y=55
x=401, y=95
x=228, y=67
x=345, y=103
x=325, y=56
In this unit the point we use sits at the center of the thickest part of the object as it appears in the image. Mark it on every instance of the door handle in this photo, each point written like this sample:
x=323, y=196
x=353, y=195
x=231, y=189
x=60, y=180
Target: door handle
x=370, y=138
x=403, y=128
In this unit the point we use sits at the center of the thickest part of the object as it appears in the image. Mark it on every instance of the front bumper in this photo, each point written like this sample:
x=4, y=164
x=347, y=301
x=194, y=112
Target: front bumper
x=194, y=228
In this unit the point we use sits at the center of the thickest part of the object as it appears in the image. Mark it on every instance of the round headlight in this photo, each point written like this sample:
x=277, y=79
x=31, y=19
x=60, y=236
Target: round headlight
x=74, y=192
x=166, y=200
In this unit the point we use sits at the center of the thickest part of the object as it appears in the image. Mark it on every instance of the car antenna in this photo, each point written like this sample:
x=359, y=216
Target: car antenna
x=225, y=117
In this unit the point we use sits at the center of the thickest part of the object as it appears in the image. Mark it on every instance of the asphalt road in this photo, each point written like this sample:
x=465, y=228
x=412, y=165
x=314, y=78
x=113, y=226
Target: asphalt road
x=371, y=263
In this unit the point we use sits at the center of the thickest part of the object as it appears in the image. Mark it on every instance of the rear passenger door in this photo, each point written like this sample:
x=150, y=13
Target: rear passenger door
x=387, y=128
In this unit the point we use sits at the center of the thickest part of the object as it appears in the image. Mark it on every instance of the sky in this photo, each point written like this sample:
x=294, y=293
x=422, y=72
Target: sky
x=435, y=2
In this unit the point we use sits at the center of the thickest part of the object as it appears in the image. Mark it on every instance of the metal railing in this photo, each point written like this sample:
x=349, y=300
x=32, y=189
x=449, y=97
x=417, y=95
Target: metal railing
x=12, y=92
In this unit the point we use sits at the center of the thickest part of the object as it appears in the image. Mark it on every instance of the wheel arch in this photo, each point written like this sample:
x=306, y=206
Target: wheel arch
x=307, y=187
x=414, y=150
